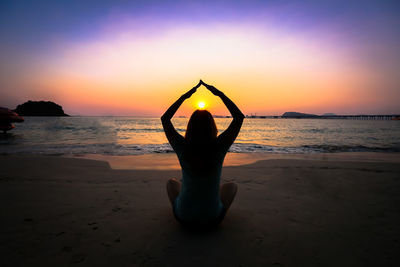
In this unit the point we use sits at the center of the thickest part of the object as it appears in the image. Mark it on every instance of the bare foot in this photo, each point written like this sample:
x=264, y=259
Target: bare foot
x=173, y=189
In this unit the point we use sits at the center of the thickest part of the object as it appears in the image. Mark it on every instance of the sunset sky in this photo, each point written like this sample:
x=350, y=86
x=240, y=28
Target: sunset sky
x=137, y=57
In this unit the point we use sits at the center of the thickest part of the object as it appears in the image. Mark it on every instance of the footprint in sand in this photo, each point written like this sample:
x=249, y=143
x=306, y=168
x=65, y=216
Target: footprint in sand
x=60, y=233
x=66, y=249
x=77, y=258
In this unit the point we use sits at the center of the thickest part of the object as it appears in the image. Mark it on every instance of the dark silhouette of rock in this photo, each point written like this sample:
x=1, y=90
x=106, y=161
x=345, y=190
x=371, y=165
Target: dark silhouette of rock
x=298, y=115
x=7, y=117
x=40, y=108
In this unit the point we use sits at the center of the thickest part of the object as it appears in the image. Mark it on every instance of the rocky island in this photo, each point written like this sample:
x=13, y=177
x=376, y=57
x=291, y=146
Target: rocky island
x=298, y=115
x=40, y=108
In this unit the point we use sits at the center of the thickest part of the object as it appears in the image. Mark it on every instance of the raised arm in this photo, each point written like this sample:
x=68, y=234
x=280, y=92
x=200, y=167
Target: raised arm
x=174, y=138
x=229, y=135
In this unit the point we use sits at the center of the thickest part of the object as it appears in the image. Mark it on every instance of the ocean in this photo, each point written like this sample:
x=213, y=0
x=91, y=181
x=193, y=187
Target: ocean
x=138, y=135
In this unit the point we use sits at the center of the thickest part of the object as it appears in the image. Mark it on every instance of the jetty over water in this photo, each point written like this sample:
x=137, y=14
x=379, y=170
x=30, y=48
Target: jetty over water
x=363, y=117
x=337, y=117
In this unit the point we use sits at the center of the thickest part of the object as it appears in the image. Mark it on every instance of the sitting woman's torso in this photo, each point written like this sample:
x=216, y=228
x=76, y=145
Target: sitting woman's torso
x=199, y=198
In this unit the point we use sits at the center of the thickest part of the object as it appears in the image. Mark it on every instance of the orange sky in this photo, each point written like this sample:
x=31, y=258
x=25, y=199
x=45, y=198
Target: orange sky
x=123, y=74
x=264, y=68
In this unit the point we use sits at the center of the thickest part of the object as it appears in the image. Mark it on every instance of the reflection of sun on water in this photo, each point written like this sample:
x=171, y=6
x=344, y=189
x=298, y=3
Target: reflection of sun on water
x=201, y=105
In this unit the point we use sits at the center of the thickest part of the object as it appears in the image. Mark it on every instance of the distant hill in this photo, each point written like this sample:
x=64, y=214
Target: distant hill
x=329, y=114
x=40, y=108
x=298, y=115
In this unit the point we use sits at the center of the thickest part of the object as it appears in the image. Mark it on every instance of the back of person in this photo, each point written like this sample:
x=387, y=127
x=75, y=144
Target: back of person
x=199, y=198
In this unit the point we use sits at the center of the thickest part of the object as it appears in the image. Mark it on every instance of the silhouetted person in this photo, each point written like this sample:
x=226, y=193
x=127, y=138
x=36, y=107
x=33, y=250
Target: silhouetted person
x=199, y=200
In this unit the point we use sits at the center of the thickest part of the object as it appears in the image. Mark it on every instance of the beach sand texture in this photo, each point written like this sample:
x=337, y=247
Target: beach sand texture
x=58, y=211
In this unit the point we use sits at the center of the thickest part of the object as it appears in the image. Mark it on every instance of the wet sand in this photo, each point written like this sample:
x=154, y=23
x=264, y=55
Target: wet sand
x=170, y=161
x=338, y=210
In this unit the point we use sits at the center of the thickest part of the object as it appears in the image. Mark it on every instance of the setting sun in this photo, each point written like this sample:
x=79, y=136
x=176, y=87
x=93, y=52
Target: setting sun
x=201, y=105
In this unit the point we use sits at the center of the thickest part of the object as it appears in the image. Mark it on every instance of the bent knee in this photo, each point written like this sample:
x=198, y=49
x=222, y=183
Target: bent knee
x=230, y=186
x=173, y=186
x=172, y=181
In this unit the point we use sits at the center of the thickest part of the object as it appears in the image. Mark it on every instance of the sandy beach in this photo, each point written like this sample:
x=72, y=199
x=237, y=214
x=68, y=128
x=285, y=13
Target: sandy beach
x=310, y=210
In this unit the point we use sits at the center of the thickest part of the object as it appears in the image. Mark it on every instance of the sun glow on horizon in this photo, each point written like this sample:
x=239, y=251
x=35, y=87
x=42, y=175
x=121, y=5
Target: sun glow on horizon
x=201, y=105
x=123, y=73
x=234, y=59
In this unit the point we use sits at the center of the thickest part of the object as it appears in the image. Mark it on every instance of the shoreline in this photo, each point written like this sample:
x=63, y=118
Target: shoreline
x=169, y=161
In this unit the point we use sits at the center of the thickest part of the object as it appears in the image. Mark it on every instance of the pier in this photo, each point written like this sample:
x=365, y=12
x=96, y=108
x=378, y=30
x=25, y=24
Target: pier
x=337, y=117
x=363, y=117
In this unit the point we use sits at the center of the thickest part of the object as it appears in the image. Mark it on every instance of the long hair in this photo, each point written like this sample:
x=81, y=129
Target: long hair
x=200, y=137
x=201, y=128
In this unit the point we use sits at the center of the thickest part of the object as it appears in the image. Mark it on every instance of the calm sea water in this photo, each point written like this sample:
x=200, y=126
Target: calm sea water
x=133, y=135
